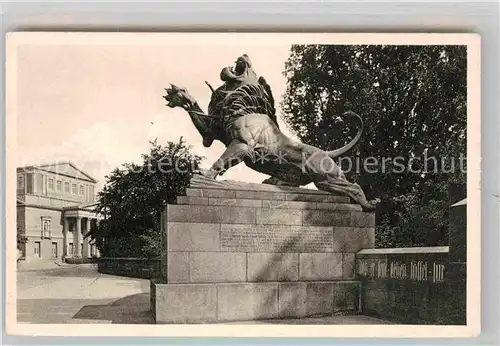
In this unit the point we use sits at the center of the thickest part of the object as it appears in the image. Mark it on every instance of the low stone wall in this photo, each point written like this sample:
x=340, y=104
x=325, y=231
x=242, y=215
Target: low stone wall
x=142, y=268
x=412, y=285
x=71, y=260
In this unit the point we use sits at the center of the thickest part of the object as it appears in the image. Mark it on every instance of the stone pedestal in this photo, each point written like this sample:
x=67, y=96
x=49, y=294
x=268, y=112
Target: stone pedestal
x=236, y=251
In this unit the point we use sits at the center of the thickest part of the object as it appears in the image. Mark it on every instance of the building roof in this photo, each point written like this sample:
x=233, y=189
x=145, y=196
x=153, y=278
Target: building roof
x=80, y=206
x=66, y=168
x=76, y=206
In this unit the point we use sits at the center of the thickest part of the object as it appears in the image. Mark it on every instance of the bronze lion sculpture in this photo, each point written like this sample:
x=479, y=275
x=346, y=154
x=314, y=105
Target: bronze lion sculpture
x=242, y=116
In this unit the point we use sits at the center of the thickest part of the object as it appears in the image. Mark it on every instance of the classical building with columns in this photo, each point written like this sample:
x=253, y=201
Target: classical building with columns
x=55, y=211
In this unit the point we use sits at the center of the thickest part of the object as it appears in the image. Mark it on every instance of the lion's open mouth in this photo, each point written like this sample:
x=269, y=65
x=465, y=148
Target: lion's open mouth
x=238, y=68
x=233, y=70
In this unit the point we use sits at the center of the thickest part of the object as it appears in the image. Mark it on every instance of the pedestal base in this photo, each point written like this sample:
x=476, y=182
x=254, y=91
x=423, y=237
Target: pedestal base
x=237, y=252
x=224, y=302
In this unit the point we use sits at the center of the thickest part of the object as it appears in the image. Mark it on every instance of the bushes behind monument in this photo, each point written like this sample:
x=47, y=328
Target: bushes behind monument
x=135, y=194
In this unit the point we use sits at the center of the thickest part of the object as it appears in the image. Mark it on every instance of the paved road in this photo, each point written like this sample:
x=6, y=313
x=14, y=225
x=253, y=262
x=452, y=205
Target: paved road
x=79, y=294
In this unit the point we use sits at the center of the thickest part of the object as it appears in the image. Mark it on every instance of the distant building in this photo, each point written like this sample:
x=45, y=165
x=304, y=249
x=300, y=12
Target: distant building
x=54, y=211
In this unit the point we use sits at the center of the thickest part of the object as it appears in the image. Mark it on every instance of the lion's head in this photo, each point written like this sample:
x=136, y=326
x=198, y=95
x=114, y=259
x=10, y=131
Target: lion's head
x=238, y=71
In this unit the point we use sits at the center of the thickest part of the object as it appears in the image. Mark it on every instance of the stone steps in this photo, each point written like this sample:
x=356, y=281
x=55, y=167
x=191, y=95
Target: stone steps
x=268, y=203
x=268, y=216
x=304, y=195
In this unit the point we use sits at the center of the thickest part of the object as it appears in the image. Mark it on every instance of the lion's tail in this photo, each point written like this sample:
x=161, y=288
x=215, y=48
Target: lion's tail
x=337, y=152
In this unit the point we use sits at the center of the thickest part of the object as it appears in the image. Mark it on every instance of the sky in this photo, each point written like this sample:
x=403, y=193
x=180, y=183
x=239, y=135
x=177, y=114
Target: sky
x=99, y=105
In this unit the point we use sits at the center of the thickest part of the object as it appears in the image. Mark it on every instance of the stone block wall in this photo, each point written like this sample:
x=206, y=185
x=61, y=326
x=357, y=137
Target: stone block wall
x=199, y=303
x=411, y=285
x=215, y=236
x=259, y=252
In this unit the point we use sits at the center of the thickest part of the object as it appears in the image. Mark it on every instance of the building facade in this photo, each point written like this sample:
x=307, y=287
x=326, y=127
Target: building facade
x=55, y=211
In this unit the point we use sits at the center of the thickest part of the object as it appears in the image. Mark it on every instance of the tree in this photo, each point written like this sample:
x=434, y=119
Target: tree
x=413, y=102
x=134, y=197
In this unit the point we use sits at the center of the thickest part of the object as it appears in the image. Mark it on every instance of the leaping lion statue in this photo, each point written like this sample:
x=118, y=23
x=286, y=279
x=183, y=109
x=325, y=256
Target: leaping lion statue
x=241, y=115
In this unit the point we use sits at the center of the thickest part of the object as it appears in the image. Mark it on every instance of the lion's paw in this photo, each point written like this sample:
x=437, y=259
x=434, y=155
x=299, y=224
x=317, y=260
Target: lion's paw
x=204, y=172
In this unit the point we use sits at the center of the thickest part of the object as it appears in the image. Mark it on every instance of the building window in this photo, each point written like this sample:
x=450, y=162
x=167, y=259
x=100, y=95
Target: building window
x=70, y=249
x=20, y=182
x=91, y=193
x=54, y=250
x=29, y=183
x=46, y=227
x=36, y=249
x=66, y=187
x=73, y=189
x=51, y=184
x=59, y=185
x=81, y=190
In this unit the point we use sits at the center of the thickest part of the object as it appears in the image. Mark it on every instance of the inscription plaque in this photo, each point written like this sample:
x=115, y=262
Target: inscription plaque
x=276, y=239
x=414, y=270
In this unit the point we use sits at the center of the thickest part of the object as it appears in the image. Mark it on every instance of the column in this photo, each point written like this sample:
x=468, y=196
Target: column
x=86, y=245
x=97, y=251
x=77, y=238
x=93, y=226
x=89, y=227
x=65, y=236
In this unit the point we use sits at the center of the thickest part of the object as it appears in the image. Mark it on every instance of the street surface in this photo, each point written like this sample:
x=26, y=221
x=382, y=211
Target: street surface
x=79, y=294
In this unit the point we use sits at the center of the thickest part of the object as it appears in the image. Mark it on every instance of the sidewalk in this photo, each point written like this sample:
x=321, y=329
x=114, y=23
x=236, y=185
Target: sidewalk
x=79, y=294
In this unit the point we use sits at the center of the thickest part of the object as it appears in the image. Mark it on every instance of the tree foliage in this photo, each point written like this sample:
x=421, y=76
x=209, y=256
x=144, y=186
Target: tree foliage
x=413, y=100
x=135, y=195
